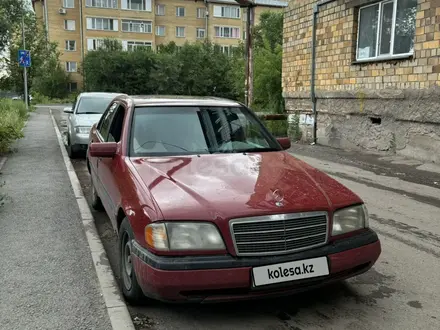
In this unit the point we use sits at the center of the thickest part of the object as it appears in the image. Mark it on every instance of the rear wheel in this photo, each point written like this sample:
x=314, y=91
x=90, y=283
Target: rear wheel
x=130, y=286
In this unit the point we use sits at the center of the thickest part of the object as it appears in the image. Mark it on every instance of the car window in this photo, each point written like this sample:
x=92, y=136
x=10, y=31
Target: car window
x=116, y=125
x=104, y=124
x=93, y=105
x=195, y=130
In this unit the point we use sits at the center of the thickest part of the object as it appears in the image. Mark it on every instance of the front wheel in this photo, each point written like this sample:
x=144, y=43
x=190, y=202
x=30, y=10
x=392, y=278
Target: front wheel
x=71, y=151
x=130, y=286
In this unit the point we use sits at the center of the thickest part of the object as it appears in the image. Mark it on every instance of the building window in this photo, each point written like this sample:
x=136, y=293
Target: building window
x=160, y=30
x=180, y=31
x=160, y=10
x=71, y=66
x=95, y=44
x=180, y=11
x=72, y=87
x=69, y=24
x=227, y=32
x=201, y=12
x=227, y=11
x=102, y=3
x=144, y=5
x=102, y=24
x=133, y=45
x=69, y=3
x=200, y=33
x=137, y=26
x=386, y=29
x=70, y=45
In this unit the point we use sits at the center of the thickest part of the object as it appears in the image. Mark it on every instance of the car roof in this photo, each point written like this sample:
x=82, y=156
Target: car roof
x=100, y=94
x=182, y=100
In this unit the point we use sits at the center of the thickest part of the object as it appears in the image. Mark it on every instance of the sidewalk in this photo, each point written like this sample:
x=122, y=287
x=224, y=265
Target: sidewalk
x=47, y=276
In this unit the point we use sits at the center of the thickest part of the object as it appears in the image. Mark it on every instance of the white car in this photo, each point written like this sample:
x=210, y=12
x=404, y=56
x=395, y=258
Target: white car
x=86, y=111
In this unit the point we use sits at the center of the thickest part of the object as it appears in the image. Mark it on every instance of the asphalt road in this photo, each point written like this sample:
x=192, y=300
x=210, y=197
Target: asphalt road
x=402, y=291
x=47, y=277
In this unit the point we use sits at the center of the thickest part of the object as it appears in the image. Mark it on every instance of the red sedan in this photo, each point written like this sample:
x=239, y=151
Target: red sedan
x=210, y=207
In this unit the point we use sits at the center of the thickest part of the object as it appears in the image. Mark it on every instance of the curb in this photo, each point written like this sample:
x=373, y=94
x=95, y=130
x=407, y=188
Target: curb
x=117, y=310
x=2, y=161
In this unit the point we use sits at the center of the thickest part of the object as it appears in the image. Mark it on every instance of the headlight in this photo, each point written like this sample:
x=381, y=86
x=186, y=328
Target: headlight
x=82, y=129
x=350, y=219
x=180, y=236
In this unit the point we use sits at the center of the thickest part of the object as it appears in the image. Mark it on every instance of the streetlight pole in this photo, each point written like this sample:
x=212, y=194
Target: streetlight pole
x=25, y=69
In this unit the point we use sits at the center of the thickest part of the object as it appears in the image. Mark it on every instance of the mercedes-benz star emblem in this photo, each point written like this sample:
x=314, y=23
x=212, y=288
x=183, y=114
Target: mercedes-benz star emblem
x=278, y=197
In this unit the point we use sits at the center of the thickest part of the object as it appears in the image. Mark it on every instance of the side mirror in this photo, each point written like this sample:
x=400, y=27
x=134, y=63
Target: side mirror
x=284, y=142
x=68, y=110
x=103, y=149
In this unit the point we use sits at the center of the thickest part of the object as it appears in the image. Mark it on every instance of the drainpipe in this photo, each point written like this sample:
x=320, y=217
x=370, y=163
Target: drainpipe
x=312, y=78
x=82, y=41
x=206, y=19
x=46, y=19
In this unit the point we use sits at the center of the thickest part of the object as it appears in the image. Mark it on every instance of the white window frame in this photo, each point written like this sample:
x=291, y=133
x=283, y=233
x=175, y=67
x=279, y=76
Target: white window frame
x=160, y=10
x=201, y=12
x=178, y=9
x=227, y=12
x=378, y=56
x=127, y=5
x=66, y=24
x=180, y=28
x=68, y=3
x=132, y=22
x=69, y=67
x=109, y=4
x=69, y=86
x=160, y=28
x=95, y=43
x=127, y=44
x=67, y=45
x=202, y=31
x=222, y=29
x=92, y=23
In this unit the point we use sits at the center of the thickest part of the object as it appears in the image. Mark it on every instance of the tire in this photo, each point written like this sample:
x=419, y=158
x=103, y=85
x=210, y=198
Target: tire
x=129, y=284
x=71, y=149
x=96, y=200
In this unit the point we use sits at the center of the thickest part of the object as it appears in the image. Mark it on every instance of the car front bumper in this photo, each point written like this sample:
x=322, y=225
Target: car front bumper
x=208, y=279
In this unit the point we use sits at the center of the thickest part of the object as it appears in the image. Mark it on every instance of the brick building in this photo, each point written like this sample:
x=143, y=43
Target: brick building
x=377, y=74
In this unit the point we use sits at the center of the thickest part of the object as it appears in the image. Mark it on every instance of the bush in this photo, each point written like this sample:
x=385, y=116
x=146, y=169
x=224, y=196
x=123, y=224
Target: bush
x=13, y=115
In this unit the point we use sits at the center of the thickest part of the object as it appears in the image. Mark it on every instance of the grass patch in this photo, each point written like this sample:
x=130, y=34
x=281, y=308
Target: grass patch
x=42, y=99
x=13, y=115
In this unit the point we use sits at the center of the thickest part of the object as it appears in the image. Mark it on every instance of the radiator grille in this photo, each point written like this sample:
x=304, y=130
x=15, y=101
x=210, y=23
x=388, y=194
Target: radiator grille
x=279, y=234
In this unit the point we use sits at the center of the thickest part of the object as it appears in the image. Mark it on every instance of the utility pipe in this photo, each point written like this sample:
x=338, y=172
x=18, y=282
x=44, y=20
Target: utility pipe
x=313, y=68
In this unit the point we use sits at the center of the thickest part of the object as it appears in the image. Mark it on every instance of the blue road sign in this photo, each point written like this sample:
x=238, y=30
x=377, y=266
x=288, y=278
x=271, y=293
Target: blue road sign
x=24, y=58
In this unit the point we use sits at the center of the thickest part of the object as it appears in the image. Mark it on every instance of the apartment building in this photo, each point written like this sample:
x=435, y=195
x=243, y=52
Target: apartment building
x=79, y=26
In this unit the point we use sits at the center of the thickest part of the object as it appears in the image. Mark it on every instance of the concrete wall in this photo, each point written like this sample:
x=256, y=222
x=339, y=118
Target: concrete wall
x=391, y=105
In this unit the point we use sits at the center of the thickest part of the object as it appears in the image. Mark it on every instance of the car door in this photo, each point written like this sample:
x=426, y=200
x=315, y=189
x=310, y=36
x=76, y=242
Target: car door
x=109, y=168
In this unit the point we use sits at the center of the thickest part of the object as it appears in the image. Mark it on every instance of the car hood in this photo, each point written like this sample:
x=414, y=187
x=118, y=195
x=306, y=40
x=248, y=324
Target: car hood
x=209, y=187
x=86, y=119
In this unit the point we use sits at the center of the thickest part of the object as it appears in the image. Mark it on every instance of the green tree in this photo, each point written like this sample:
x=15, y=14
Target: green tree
x=11, y=12
x=270, y=28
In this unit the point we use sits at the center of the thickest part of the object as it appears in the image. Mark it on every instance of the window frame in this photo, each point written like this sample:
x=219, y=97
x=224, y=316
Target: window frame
x=222, y=27
x=137, y=43
x=68, y=66
x=66, y=25
x=178, y=8
x=163, y=27
x=89, y=4
x=197, y=33
x=70, y=89
x=108, y=114
x=203, y=10
x=158, y=12
x=378, y=56
x=223, y=9
x=66, y=4
x=113, y=24
x=137, y=21
x=67, y=43
x=184, y=32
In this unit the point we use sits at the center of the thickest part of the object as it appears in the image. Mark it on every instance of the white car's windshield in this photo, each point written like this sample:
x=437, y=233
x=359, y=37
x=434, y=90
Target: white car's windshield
x=93, y=105
x=197, y=130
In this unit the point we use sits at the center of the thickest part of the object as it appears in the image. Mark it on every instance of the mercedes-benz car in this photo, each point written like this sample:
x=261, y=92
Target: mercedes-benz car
x=209, y=206
x=86, y=111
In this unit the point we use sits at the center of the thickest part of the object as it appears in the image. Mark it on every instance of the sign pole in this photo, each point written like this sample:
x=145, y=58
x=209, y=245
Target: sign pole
x=25, y=69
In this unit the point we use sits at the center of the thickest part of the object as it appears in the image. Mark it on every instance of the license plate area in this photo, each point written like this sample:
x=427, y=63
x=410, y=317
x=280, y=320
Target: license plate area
x=290, y=271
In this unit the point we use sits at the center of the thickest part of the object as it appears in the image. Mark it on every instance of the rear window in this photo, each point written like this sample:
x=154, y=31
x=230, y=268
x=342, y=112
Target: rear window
x=93, y=105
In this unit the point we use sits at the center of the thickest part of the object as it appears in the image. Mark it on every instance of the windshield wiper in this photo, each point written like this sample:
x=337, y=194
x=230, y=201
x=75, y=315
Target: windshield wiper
x=89, y=113
x=258, y=150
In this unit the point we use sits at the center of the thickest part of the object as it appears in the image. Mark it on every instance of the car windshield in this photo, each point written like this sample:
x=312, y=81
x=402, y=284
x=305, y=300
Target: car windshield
x=93, y=105
x=160, y=131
